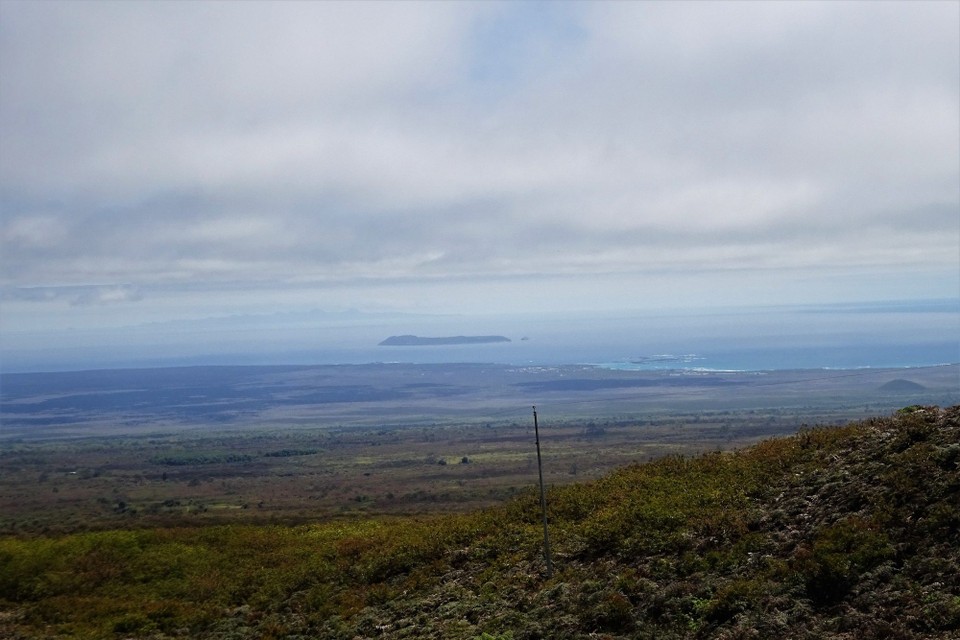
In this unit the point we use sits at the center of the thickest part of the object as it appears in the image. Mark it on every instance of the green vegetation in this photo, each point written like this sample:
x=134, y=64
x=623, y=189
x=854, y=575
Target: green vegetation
x=287, y=453
x=197, y=459
x=203, y=476
x=835, y=532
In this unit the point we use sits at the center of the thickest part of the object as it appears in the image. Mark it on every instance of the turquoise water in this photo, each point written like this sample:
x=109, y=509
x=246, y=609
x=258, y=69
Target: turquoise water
x=772, y=359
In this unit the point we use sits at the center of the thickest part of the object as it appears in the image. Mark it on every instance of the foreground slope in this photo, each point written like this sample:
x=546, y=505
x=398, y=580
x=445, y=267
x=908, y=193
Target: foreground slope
x=847, y=532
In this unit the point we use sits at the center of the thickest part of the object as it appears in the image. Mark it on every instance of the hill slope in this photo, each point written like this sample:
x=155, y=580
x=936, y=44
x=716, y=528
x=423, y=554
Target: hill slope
x=847, y=532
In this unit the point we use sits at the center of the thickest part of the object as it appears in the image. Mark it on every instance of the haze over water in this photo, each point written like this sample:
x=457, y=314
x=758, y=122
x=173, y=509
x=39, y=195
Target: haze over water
x=921, y=333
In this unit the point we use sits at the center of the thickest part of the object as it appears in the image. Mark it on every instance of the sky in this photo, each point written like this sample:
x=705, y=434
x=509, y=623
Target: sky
x=167, y=161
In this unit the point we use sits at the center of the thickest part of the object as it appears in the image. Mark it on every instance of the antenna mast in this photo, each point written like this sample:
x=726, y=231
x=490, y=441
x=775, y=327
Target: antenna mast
x=543, y=499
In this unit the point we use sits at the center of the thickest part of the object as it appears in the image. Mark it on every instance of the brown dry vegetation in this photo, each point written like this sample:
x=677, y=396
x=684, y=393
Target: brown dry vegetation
x=191, y=478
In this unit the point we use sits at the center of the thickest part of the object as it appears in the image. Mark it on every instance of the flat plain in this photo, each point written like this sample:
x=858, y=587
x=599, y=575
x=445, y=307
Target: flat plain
x=204, y=445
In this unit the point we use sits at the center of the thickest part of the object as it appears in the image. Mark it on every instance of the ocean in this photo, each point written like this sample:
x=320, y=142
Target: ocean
x=874, y=335
x=844, y=336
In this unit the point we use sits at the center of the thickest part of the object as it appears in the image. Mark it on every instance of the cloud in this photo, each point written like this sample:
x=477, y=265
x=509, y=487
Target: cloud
x=249, y=145
x=76, y=296
x=36, y=231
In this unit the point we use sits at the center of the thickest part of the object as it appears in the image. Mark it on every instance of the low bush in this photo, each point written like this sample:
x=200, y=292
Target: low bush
x=838, y=532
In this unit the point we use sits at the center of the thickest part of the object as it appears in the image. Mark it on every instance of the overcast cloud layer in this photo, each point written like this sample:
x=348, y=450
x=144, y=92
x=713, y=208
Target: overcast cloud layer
x=183, y=158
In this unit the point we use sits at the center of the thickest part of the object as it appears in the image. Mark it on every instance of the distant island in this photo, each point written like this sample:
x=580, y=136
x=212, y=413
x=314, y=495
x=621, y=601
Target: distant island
x=417, y=341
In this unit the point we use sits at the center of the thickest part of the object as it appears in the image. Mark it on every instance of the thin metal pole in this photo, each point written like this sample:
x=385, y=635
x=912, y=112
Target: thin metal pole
x=543, y=499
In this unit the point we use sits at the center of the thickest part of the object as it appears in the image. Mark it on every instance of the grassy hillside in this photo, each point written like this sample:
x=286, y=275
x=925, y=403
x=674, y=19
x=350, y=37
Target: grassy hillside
x=847, y=532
